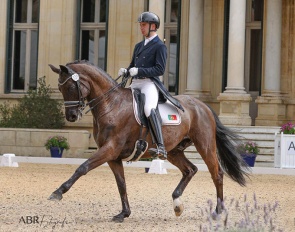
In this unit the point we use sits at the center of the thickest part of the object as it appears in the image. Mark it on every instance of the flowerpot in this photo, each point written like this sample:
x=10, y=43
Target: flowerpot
x=147, y=170
x=56, y=152
x=249, y=159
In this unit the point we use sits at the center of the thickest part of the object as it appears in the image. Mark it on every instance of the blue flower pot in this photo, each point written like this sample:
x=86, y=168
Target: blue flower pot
x=249, y=159
x=56, y=152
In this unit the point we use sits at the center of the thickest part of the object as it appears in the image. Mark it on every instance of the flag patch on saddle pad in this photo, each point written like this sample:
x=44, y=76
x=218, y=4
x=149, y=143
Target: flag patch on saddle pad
x=172, y=117
x=169, y=113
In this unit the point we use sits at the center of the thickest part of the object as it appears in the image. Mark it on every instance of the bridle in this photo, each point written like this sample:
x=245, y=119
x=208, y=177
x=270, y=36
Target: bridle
x=81, y=102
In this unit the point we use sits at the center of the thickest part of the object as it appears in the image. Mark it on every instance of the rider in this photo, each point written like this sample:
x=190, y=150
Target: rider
x=147, y=64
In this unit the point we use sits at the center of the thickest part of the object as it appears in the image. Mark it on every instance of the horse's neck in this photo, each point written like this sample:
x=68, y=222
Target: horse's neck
x=111, y=106
x=101, y=85
x=107, y=94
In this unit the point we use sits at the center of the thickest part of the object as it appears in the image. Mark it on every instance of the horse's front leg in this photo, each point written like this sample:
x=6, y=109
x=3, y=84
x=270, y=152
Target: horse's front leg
x=118, y=170
x=81, y=170
x=97, y=159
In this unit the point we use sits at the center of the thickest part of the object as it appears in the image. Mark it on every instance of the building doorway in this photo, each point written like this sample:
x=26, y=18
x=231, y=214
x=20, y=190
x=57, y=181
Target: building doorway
x=253, y=53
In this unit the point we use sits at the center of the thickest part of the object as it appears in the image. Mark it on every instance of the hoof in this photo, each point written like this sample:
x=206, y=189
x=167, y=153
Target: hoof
x=215, y=216
x=178, y=207
x=55, y=197
x=118, y=218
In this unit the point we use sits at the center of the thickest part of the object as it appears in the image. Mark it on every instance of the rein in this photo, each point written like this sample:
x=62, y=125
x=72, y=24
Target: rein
x=81, y=102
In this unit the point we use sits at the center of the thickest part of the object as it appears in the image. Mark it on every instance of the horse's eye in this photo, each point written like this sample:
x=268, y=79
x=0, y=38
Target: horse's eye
x=72, y=88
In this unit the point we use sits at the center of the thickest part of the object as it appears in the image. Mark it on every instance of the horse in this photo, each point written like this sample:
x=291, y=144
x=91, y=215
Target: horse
x=115, y=131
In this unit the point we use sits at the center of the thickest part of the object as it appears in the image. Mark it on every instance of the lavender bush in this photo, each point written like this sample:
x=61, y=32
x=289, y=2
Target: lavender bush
x=246, y=216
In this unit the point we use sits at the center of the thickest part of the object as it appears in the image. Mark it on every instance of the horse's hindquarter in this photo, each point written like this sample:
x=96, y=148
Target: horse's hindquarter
x=198, y=119
x=195, y=110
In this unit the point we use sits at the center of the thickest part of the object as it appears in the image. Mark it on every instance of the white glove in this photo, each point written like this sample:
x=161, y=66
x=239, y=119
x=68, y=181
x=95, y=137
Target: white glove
x=133, y=71
x=122, y=71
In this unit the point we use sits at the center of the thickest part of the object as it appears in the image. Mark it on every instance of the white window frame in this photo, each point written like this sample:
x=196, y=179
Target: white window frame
x=28, y=27
x=95, y=26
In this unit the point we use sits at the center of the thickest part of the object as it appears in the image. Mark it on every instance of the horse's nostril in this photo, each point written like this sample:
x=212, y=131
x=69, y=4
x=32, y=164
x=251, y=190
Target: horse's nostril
x=72, y=118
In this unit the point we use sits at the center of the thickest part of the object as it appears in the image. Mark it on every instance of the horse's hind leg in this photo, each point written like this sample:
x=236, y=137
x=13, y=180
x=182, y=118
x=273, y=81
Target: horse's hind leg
x=210, y=158
x=188, y=169
x=118, y=170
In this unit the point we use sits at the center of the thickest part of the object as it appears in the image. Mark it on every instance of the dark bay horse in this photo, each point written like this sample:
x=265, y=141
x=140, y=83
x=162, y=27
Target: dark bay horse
x=116, y=130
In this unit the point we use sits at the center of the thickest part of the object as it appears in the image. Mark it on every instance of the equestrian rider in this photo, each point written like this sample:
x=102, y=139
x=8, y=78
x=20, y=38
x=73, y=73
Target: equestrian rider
x=147, y=64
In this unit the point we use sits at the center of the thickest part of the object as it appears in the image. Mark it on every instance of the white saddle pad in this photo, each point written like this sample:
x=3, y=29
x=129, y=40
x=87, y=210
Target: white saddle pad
x=169, y=113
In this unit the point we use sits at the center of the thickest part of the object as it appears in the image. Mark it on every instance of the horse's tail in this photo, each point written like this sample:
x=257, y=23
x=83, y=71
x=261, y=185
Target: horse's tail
x=228, y=155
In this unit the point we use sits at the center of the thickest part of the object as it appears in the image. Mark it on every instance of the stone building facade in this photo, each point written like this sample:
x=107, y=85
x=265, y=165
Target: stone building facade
x=236, y=55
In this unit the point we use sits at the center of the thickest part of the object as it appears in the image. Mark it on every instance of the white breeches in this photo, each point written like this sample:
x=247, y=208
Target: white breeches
x=149, y=89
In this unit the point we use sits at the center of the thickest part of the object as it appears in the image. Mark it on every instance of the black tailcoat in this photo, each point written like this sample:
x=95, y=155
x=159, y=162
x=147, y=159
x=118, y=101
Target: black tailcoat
x=151, y=61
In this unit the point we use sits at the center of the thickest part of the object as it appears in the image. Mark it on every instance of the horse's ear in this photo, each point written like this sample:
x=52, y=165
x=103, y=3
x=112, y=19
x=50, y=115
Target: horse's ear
x=54, y=69
x=64, y=69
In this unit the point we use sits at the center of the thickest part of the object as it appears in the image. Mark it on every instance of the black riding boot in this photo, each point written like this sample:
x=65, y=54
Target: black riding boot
x=156, y=131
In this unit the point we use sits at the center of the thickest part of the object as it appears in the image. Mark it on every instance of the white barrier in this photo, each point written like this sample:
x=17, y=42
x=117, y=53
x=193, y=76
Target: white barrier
x=12, y=161
x=8, y=160
x=157, y=167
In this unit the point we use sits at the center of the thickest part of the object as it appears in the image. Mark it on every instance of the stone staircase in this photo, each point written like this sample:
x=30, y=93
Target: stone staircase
x=263, y=136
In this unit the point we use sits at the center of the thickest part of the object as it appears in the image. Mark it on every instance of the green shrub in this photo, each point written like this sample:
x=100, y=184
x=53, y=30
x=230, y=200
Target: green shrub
x=35, y=110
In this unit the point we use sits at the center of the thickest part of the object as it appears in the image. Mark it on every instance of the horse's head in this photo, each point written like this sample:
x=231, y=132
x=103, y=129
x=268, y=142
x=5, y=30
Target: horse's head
x=74, y=89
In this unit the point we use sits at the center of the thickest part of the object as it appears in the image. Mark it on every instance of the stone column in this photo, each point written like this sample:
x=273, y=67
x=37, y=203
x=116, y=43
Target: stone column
x=234, y=102
x=271, y=110
x=158, y=7
x=195, y=52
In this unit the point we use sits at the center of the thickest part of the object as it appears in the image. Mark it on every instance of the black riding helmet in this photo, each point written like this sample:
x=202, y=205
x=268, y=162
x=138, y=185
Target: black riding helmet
x=150, y=18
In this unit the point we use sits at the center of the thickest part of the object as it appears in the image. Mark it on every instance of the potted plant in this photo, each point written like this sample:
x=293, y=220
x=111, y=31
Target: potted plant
x=56, y=144
x=249, y=150
x=288, y=128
